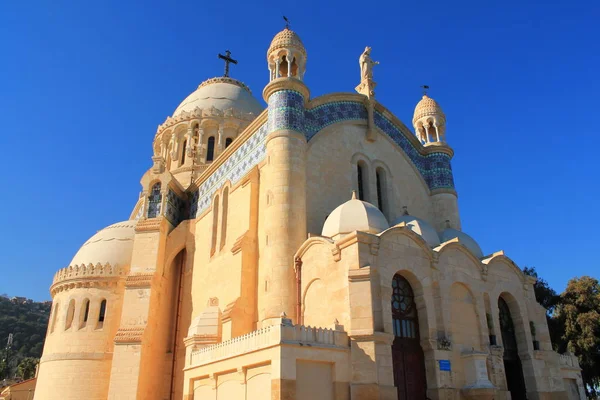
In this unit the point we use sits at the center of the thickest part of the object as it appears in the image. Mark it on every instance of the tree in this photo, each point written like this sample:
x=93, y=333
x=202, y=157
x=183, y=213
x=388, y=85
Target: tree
x=27, y=366
x=549, y=299
x=579, y=310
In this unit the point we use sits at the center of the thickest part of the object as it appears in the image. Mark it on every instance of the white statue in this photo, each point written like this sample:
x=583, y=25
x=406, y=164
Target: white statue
x=366, y=65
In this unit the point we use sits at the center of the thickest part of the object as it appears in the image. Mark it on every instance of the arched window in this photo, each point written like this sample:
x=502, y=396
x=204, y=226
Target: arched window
x=154, y=201
x=404, y=311
x=224, y=218
x=360, y=172
x=228, y=142
x=215, y=225
x=183, y=149
x=70, y=314
x=54, y=314
x=381, y=187
x=85, y=312
x=101, y=314
x=210, y=150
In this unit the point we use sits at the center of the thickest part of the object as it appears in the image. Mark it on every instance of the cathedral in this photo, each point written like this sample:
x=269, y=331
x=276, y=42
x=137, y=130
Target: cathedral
x=308, y=250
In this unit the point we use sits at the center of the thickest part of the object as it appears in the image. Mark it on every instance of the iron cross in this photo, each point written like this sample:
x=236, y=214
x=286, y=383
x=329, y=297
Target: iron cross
x=228, y=59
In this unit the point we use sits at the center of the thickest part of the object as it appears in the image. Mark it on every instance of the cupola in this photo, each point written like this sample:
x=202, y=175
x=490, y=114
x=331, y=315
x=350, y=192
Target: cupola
x=429, y=121
x=420, y=227
x=466, y=240
x=286, y=56
x=354, y=215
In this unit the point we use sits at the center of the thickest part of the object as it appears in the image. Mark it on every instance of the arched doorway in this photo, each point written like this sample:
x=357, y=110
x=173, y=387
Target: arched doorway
x=407, y=354
x=512, y=363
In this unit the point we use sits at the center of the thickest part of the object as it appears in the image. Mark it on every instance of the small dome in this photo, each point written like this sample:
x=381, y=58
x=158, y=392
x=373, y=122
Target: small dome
x=354, y=215
x=421, y=228
x=223, y=93
x=428, y=107
x=112, y=245
x=463, y=238
x=287, y=38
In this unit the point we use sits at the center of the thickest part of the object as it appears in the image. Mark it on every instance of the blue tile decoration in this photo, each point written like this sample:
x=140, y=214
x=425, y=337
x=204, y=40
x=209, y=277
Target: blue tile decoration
x=250, y=153
x=193, y=199
x=435, y=167
x=326, y=114
x=286, y=111
x=175, y=208
x=154, y=201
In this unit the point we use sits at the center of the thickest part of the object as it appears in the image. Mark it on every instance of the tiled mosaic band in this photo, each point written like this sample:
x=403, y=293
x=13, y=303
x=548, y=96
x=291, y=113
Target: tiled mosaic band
x=286, y=111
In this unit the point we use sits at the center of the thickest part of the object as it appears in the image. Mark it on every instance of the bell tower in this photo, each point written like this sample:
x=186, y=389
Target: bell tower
x=284, y=176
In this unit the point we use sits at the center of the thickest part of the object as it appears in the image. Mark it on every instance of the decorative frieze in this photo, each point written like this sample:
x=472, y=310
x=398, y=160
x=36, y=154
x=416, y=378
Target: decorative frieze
x=129, y=335
x=139, y=280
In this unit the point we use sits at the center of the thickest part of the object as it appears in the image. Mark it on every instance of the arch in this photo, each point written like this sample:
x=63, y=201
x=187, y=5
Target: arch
x=511, y=329
x=464, y=321
x=70, y=314
x=101, y=314
x=228, y=141
x=499, y=256
x=314, y=309
x=398, y=230
x=183, y=150
x=408, y=357
x=84, y=314
x=215, y=225
x=455, y=244
x=224, y=212
x=362, y=180
x=154, y=201
x=383, y=180
x=54, y=314
x=210, y=149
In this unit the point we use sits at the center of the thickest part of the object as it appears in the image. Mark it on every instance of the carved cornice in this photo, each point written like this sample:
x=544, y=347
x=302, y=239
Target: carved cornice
x=129, y=335
x=286, y=84
x=139, y=280
x=85, y=276
x=198, y=114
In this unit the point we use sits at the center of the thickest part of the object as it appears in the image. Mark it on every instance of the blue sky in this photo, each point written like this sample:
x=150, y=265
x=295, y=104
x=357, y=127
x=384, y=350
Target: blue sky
x=85, y=84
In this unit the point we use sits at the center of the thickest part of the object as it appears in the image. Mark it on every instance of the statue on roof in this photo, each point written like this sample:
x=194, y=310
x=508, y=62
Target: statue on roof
x=366, y=65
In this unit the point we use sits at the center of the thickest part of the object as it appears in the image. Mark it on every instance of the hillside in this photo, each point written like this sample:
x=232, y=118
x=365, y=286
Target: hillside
x=27, y=320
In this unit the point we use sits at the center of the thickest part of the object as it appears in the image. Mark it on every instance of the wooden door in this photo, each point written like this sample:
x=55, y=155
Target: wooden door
x=407, y=354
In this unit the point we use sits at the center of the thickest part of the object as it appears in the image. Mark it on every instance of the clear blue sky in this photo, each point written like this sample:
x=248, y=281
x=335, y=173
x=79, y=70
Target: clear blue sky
x=85, y=84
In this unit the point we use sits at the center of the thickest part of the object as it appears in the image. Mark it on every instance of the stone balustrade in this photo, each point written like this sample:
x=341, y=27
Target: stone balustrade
x=285, y=333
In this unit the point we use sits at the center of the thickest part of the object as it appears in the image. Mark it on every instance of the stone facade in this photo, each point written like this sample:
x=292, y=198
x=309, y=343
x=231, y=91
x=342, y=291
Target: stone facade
x=223, y=283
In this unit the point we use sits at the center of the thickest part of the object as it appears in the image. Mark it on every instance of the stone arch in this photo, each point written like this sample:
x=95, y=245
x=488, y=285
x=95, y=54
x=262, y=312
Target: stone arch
x=464, y=321
x=518, y=319
x=516, y=345
x=314, y=309
x=425, y=323
x=455, y=244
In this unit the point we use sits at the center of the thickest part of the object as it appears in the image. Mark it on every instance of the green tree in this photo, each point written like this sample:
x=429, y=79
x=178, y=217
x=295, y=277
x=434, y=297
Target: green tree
x=579, y=310
x=27, y=366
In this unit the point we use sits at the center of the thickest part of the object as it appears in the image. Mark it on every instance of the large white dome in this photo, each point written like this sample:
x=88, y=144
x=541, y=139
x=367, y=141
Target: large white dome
x=222, y=93
x=112, y=245
x=354, y=215
x=420, y=227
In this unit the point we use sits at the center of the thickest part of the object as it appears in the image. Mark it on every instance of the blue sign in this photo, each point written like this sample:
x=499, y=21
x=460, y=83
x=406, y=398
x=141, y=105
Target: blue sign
x=445, y=365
